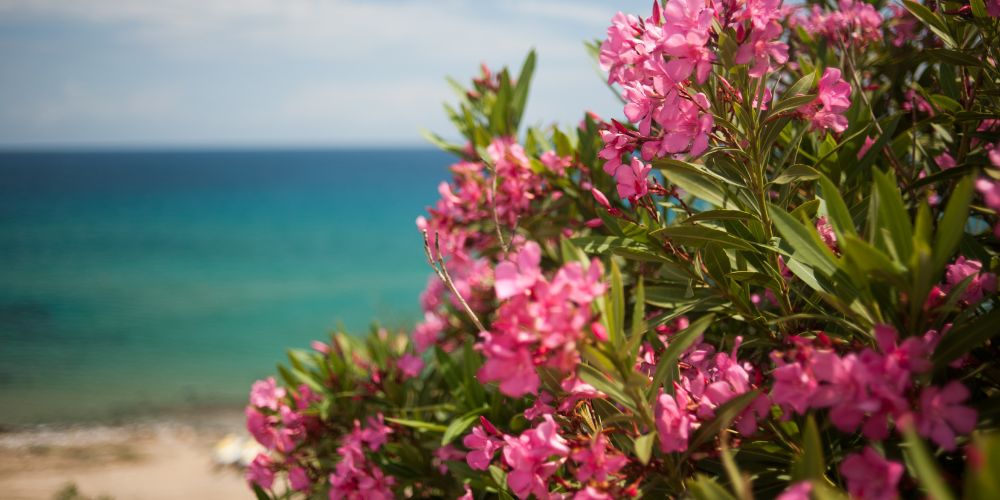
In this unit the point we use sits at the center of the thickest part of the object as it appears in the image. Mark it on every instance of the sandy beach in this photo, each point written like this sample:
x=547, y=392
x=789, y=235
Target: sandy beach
x=161, y=459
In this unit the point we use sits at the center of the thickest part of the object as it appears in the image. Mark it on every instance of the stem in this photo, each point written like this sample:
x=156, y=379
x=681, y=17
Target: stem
x=442, y=272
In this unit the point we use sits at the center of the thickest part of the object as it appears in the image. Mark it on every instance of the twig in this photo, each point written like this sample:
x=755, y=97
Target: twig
x=496, y=217
x=442, y=273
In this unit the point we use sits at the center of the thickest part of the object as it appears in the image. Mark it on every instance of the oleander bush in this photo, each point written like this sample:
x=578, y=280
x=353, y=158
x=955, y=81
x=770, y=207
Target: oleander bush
x=772, y=276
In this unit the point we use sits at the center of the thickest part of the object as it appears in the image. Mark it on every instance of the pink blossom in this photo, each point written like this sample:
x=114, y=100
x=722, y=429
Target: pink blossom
x=260, y=471
x=556, y=163
x=834, y=98
x=426, y=333
x=530, y=457
x=591, y=493
x=673, y=422
x=377, y=432
x=468, y=493
x=942, y=415
x=481, y=447
x=764, y=50
x=980, y=284
x=685, y=35
x=540, y=407
x=990, y=189
x=853, y=23
x=827, y=234
x=798, y=491
x=869, y=476
x=595, y=462
x=266, y=393
x=509, y=361
x=299, y=478
x=869, y=142
x=410, y=365
x=445, y=454
x=513, y=279
x=944, y=161
x=631, y=179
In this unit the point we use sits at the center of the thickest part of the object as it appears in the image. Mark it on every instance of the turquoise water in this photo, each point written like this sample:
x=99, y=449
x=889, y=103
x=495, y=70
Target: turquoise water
x=140, y=282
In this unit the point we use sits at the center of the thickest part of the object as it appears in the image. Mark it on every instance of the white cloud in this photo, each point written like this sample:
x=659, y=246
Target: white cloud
x=377, y=64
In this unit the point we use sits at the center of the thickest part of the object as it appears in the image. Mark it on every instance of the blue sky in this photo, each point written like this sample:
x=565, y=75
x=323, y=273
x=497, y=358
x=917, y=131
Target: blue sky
x=135, y=73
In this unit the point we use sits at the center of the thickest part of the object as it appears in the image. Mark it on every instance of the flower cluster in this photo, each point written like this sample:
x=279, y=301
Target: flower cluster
x=854, y=23
x=707, y=380
x=871, y=388
x=808, y=273
x=539, y=323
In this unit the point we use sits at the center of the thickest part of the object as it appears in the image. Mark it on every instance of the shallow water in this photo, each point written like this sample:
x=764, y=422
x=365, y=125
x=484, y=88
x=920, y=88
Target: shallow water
x=140, y=282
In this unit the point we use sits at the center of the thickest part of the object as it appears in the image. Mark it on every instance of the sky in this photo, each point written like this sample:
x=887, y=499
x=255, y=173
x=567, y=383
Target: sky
x=280, y=73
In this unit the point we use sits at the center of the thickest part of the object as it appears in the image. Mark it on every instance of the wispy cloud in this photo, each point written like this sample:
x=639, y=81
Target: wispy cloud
x=361, y=68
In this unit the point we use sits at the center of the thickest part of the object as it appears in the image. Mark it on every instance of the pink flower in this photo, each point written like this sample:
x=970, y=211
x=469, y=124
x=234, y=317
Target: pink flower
x=445, y=454
x=942, y=416
x=556, y=163
x=763, y=48
x=826, y=232
x=410, y=365
x=980, y=284
x=259, y=472
x=673, y=422
x=266, y=393
x=540, y=407
x=595, y=462
x=377, y=432
x=798, y=491
x=990, y=190
x=944, y=161
x=869, y=142
x=869, y=476
x=299, y=478
x=482, y=448
x=834, y=99
x=591, y=493
x=513, y=279
x=426, y=333
x=512, y=365
x=631, y=179
x=530, y=457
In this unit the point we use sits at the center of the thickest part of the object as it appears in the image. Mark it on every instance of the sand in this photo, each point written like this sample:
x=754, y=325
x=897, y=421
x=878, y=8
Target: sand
x=148, y=460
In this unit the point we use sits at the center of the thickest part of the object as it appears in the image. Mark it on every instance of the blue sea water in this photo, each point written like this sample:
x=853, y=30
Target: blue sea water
x=134, y=283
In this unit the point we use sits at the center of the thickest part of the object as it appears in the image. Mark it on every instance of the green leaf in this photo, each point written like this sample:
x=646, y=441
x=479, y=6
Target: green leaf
x=719, y=215
x=602, y=244
x=724, y=416
x=803, y=85
x=519, y=96
x=805, y=247
x=983, y=482
x=703, y=487
x=697, y=181
x=667, y=366
x=810, y=464
x=952, y=224
x=261, y=494
x=460, y=425
x=840, y=217
x=926, y=470
x=791, y=103
x=617, y=311
x=953, y=57
x=935, y=23
x=699, y=236
x=892, y=215
x=614, y=388
x=966, y=337
x=644, y=447
x=979, y=11
x=417, y=424
x=796, y=173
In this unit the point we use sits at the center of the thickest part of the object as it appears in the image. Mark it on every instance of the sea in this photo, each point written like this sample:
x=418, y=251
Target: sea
x=142, y=283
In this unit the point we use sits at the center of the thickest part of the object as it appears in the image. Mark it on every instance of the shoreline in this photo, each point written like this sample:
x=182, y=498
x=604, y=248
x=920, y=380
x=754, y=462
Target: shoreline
x=157, y=457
